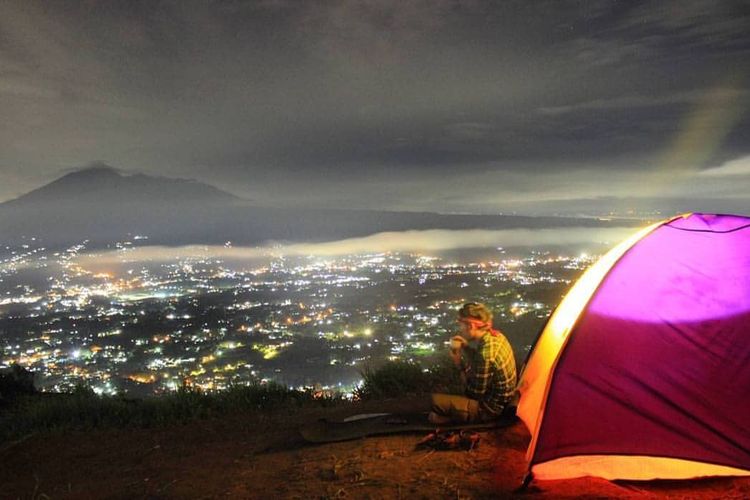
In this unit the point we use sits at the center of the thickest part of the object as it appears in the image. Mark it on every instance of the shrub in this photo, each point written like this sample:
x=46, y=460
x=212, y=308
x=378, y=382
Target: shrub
x=393, y=379
x=15, y=382
x=402, y=378
x=444, y=377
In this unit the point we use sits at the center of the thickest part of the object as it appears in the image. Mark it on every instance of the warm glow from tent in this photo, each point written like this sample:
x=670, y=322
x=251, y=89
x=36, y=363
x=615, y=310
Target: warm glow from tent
x=633, y=467
x=598, y=395
x=537, y=373
x=575, y=300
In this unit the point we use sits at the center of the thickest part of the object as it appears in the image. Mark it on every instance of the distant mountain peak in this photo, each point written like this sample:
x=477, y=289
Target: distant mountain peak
x=96, y=170
x=97, y=167
x=101, y=183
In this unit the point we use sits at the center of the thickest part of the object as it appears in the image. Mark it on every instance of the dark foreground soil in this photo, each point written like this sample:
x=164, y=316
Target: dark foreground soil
x=264, y=457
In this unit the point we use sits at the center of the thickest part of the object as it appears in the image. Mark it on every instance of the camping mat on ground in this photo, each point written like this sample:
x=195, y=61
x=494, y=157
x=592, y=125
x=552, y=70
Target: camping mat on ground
x=328, y=431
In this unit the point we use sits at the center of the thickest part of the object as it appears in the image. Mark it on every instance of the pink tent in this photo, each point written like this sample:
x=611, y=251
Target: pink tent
x=643, y=370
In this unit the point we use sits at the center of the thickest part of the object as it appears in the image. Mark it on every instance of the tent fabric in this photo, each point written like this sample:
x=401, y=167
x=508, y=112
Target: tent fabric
x=633, y=467
x=539, y=367
x=654, y=362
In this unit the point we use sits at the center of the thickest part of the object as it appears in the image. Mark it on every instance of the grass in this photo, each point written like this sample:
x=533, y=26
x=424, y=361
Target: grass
x=15, y=382
x=83, y=409
x=31, y=412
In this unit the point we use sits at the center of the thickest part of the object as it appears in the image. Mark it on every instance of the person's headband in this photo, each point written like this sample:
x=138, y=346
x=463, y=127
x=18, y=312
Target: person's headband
x=478, y=323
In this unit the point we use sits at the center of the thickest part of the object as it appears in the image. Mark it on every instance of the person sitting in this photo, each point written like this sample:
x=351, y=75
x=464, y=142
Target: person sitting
x=488, y=371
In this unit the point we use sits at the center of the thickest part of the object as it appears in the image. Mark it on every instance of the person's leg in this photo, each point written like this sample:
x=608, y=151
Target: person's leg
x=441, y=408
x=434, y=418
x=448, y=408
x=473, y=410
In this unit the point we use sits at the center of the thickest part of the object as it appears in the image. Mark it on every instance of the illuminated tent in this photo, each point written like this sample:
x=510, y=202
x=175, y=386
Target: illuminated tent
x=643, y=371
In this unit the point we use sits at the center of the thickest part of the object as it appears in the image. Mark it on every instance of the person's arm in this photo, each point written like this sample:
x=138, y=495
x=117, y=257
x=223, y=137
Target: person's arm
x=467, y=354
x=478, y=379
x=460, y=358
x=457, y=354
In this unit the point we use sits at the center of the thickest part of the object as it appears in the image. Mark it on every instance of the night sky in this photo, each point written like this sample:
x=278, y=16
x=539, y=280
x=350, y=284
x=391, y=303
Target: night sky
x=451, y=106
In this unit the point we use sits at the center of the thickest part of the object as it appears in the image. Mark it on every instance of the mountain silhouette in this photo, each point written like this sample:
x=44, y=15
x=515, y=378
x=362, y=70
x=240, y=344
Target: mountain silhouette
x=104, y=205
x=100, y=183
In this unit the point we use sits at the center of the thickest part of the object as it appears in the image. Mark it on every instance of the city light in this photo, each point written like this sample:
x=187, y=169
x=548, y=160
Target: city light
x=146, y=327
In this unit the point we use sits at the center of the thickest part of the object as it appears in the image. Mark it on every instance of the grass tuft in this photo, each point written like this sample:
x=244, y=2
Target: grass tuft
x=401, y=378
x=82, y=409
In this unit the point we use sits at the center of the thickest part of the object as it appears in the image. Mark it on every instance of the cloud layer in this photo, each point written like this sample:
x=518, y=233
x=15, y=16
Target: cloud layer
x=408, y=241
x=403, y=104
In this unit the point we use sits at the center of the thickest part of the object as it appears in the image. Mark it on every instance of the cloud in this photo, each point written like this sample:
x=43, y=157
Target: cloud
x=372, y=32
x=732, y=168
x=283, y=100
x=408, y=241
x=644, y=101
x=703, y=22
x=440, y=240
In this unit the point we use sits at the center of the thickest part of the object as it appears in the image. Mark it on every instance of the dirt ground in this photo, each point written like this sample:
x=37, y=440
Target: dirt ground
x=264, y=457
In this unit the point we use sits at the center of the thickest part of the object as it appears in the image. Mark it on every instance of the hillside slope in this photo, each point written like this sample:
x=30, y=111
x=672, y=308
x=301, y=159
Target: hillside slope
x=262, y=456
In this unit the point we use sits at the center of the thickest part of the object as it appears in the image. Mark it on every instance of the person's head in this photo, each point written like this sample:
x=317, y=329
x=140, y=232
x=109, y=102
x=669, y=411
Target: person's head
x=475, y=320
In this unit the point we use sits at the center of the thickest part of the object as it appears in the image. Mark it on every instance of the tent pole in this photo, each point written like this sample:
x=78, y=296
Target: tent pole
x=526, y=482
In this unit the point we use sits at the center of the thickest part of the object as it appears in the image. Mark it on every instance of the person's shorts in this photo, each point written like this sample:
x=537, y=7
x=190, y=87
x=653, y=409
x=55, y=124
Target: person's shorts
x=460, y=409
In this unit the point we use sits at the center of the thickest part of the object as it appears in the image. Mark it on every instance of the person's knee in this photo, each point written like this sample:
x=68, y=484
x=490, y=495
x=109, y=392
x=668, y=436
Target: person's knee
x=459, y=409
x=473, y=410
x=440, y=403
x=460, y=416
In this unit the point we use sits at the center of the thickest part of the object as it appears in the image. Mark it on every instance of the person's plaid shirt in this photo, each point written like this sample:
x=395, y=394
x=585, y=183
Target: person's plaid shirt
x=490, y=372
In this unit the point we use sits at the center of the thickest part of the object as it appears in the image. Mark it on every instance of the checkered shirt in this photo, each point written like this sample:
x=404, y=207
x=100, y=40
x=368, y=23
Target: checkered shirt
x=490, y=372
